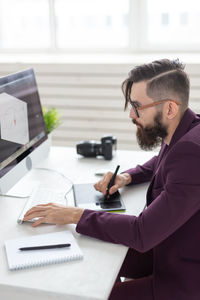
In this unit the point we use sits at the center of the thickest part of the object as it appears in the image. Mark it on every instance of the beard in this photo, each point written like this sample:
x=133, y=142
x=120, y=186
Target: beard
x=150, y=137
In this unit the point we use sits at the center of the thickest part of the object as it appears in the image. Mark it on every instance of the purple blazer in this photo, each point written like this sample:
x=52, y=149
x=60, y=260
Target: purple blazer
x=170, y=225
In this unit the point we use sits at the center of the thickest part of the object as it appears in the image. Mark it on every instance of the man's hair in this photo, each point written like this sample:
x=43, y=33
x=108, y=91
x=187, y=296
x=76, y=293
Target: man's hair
x=165, y=79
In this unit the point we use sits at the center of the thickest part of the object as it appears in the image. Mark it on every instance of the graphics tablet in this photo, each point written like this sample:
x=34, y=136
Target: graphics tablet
x=85, y=196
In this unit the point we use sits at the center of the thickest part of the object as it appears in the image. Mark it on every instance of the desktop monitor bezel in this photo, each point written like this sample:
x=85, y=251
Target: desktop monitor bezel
x=33, y=154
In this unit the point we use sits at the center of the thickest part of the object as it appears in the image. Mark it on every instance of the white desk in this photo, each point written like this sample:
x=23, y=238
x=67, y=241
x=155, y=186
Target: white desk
x=94, y=276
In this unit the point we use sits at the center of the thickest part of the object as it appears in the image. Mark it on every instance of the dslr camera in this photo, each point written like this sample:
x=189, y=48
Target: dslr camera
x=92, y=148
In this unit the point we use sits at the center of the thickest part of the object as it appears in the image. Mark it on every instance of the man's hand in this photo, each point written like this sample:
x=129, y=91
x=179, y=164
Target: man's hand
x=120, y=181
x=54, y=213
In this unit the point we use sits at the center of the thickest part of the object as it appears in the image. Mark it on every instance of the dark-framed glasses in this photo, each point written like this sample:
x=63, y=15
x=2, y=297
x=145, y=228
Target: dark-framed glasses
x=136, y=107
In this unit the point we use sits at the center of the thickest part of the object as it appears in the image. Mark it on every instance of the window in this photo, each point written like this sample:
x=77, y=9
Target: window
x=106, y=25
x=92, y=23
x=24, y=24
x=173, y=24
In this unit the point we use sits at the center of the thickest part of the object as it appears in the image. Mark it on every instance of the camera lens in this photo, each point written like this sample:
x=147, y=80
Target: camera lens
x=88, y=148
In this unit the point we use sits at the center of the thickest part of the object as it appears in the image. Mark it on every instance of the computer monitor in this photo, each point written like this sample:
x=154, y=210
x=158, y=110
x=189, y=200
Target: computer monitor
x=23, y=136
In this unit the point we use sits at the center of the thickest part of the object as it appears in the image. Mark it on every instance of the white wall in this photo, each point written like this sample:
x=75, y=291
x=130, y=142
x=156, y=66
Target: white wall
x=90, y=100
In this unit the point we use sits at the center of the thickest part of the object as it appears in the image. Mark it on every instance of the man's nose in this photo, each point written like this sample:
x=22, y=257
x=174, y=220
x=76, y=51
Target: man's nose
x=132, y=114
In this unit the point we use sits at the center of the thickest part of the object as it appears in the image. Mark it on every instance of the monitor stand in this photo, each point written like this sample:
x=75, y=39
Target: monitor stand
x=43, y=177
x=24, y=187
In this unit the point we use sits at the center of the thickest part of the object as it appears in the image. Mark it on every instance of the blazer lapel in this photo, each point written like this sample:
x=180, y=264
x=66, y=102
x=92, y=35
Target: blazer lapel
x=183, y=127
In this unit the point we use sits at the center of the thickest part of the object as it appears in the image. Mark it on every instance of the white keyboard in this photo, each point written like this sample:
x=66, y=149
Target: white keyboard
x=42, y=196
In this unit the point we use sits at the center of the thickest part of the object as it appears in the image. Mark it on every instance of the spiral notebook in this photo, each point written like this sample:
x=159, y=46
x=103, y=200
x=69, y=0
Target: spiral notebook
x=25, y=259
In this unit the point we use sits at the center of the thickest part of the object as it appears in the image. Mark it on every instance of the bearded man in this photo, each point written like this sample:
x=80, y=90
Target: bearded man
x=163, y=260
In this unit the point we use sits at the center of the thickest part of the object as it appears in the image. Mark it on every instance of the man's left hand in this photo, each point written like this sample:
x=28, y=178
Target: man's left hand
x=53, y=213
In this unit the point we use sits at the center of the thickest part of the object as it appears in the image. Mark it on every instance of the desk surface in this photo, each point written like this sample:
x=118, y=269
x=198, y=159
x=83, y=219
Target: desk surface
x=94, y=276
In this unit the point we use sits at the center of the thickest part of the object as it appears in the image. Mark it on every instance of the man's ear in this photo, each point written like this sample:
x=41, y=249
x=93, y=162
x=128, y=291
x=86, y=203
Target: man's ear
x=171, y=110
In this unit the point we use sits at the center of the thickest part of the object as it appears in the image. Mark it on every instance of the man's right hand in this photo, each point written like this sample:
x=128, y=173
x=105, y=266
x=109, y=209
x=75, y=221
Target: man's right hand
x=120, y=181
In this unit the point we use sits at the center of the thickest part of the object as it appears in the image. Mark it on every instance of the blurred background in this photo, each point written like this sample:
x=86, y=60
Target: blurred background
x=82, y=50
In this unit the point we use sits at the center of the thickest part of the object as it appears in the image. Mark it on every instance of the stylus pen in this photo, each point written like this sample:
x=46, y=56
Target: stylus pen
x=44, y=247
x=111, y=183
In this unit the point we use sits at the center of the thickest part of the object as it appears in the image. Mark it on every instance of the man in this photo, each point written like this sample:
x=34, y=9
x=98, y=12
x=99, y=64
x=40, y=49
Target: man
x=164, y=240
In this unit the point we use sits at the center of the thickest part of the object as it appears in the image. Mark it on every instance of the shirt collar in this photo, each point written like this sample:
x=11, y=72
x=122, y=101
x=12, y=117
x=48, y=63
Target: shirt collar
x=185, y=124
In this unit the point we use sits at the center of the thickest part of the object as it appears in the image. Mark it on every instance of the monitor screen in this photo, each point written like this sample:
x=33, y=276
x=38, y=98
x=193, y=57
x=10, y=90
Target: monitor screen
x=22, y=128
